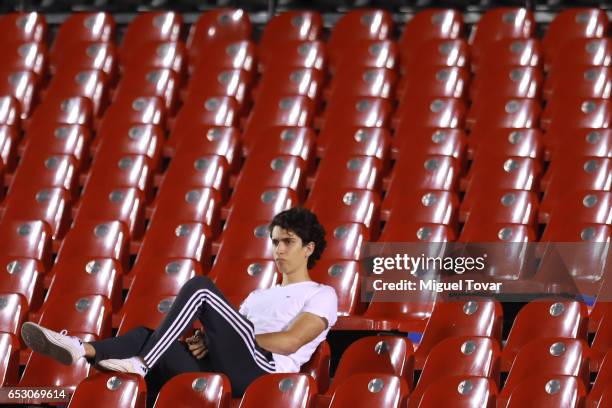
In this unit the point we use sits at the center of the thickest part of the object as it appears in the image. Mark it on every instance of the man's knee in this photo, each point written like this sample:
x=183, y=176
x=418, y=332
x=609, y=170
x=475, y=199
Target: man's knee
x=199, y=282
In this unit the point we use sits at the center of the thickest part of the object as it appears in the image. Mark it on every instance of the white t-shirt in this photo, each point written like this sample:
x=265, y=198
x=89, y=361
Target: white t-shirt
x=274, y=309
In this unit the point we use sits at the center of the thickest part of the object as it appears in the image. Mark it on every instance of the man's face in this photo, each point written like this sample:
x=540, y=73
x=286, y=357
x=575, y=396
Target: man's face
x=290, y=254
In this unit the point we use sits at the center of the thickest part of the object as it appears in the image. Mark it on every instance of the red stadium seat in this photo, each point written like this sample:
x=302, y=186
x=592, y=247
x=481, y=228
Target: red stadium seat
x=24, y=277
x=436, y=52
x=464, y=391
x=484, y=206
x=212, y=81
x=602, y=382
x=9, y=368
x=113, y=169
x=23, y=86
x=131, y=139
x=577, y=112
x=29, y=56
x=82, y=27
x=291, y=26
x=100, y=56
x=206, y=390
x=219, y=141
x=562, y=231
x=505, y=173
x=344, y=277
x=398, y=230
x=136, y=110
x=150, y=81
x=458, y=356
x=58, y=139
x=27, y=239
x=587, y=82
x=87, y=276
x=49, y=170
x=247, y=240
x=78, y=313
x=371, y=390
x=226, y=55
x=553, y=356
x=150, y=27
x=125, y=204
x=96, y=239
x=236, y=278
x=571, y=24
x=280, y=110
x=318, y=366
x=356, y=111
x=75, y=110
x=364, y=81
x=182, y=202
x=545, y=318
x=427, y=206
x=545, y=390
x=390, y=355
x=430, y=24
x=283, y=140
x=288, y=390
x=47, y=204
x=161, y=276
x=482, y=318
x=495, y=232
x=509, y=82
x=345, y=141
x=499, y=24
x=580, y=142
x=371, y=54
x=297, y=54
x=13, y=311
x=435, y=82
x=486, y=142
x=8, y=147
x=41, y=371
x=191, y=168
x=431, y=112
x=173, y=239
x=585, y=52
x=357, y=26
x=350, y=173
x=91, y=84
x=110, y=389
x=161, y=55
x=259, y=203
x=10, y=112
x=24, y=27
x=602, y=342
x=344, y=241
x=503, y=112
x=147, y=311
x=520, y=52
x=591, y=207
x=271, y=170
x=421, y=140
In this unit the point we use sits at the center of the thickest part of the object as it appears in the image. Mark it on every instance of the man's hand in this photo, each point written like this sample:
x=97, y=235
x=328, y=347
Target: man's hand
x=197, y=346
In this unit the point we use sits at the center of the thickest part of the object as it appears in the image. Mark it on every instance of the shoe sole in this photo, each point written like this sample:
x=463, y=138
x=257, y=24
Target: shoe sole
x=110, y=366
x=35, y=337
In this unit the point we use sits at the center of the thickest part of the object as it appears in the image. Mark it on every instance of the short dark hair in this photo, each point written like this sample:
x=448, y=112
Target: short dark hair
x=304, y=224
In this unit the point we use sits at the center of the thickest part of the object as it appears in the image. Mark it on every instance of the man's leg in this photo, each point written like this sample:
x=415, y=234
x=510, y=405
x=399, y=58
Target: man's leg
x=125, y=346
x=230, y=337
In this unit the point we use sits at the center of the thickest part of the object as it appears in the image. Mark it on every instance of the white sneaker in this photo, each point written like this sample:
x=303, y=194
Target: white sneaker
x=132, y=365
x=59, y=346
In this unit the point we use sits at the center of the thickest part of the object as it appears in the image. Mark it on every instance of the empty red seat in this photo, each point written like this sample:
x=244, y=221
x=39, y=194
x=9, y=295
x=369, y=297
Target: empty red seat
x=161, y=55
x=436, y=52
x=29, y=56
x=151, y=81
x=508, y=81
x=474, y=231
x=131, y=139
x=82, y=27
x=426, y=206
x=161, y=276
x=389, y=355
x=545, y=318
x=219, y=141
x=31, y=202
x=148, y=310
x=372, y=82
x=113, y=169
x=501, y=23
x=587, y=82
x=482, y=318
x=58, y=139
x=487, y=141
x=571, y=24
x=431, y=112
x=458, y=356
x=397, y=230
x=298, y=54
x=87, y=275
x=284, y=141
x=27, y=239
x=553, y=356
x=49, y=170
x=290, y=390
x=580, y=142
x=226, y=55
x=150, y=27
x=523, y=52
x=218, y=25
x=91, y=84
x=134, y=109
x=175, y=239
x=24, y=277
x=559, y=230
x=338, y=141
x=318, y=366
x=505, y=173
x=504, y=112
x=100, y=56
x=371, y=390
x=430, y=24
x=351, y=173
x=199, y=170
x=371, y=54
x=280, y=110
x=246, y=239
x=272, y=170
x=259, y=203
x=96, y=239
x=10, y=112
x=465, y=391
x=9, y=368
x=541, y=390
x=577, y=112
x=13, y=311
x=8, y=147
x=24, y=27
x=211, y=81
x=291, y=26
x=602, y=342
x=110, y=389
x=75, y=110
x=23, y=86
x=289, y=80
x=201, y=389
x=601, y=385
x=344, y=277
x=434, y=82
x=484, y=205
x=590, y=207
x=585, y=52
x=423, y=140
x=236, y=278
x=344, y=241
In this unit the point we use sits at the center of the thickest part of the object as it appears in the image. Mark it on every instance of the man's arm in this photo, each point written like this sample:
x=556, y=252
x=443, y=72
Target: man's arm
x=305, y=328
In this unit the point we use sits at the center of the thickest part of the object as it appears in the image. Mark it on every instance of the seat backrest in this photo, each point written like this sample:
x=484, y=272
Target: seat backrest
x=463, y=391
x=283, y=390
x=110, y=390
x=366, y=390
x=544, y=390
x=205, y=390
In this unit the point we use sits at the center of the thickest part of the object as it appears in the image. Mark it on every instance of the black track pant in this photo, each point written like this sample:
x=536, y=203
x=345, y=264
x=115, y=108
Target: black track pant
x=229, y=336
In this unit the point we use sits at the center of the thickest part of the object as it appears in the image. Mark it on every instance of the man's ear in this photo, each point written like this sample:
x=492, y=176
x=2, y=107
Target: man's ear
x=310, y=247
